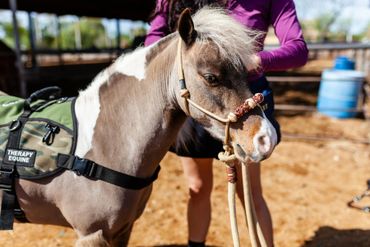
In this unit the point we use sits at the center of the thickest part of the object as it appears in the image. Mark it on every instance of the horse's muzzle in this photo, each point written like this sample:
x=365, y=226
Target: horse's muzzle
x=255, y=143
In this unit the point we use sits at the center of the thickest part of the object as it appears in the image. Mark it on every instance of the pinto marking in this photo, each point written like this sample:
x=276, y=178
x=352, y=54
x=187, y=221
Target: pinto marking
x=88, y=105
x=88, y=102
x=133, y=64
x=265, y=138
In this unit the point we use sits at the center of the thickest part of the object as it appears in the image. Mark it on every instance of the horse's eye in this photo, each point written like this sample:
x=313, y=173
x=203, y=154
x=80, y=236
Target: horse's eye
x=211, y=79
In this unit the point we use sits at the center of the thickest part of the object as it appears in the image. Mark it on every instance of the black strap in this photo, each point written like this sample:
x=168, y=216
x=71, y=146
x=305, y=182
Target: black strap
x=91, y=170
x=7, y=211
x=10, y=207
x=8, y=197
x=47, y=93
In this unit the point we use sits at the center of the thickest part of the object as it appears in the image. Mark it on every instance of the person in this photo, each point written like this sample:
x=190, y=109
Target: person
x=197, y=156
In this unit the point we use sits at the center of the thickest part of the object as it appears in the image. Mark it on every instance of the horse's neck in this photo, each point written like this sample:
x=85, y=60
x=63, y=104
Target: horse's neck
x=127, y=121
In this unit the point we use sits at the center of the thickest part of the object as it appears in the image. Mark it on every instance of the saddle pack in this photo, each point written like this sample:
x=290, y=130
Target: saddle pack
x=33, y=132
x=38, y=137
x=44, y=129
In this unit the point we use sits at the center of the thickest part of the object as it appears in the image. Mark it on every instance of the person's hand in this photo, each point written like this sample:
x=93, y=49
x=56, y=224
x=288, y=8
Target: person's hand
x=257, y=59
x=254, y=63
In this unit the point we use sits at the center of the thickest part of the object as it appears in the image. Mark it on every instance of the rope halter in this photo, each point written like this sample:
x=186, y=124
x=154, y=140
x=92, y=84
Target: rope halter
x=229, y=158
x=228, y=155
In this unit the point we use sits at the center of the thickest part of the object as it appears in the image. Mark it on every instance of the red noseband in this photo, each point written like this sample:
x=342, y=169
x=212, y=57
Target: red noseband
x=249, y=104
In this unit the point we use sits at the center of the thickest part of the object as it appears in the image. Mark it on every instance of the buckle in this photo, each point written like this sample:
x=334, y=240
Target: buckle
x=6, y=187
x=19, y=214
x=6, y=172
x=83, y=167
x=6, y=179
x=16, y=124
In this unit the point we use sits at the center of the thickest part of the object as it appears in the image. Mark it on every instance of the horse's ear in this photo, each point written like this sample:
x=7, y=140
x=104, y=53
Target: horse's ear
x=186, y=27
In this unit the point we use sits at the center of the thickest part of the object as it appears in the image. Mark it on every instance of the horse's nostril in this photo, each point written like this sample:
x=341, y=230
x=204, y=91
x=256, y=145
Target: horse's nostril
x=261, y=140
x=264, y=143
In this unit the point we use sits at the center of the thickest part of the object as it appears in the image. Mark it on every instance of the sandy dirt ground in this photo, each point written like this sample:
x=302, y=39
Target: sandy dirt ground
x=307, y=185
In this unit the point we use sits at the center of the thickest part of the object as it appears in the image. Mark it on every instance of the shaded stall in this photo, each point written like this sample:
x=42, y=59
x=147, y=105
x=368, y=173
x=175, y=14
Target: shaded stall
x=8, y=72
x=124, y=9
x=70, y=77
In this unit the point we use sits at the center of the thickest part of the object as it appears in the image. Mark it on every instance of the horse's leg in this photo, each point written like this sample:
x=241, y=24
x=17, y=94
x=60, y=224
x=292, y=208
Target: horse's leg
x=95, y=239
x=123, y=238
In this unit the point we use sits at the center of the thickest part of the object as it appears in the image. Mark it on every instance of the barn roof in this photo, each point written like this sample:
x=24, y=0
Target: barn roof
x=121, y=9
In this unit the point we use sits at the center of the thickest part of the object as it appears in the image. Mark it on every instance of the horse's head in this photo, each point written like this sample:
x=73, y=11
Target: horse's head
x=214, y=55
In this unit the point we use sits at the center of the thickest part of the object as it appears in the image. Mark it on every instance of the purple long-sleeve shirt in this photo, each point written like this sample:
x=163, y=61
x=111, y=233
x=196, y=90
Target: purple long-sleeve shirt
x=256, y=14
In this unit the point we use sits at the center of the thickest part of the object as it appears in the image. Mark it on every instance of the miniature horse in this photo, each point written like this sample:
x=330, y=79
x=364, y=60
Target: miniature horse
x=130, y=115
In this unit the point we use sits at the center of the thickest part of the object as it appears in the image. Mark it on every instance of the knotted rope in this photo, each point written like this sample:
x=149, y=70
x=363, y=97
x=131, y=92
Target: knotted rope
x=229, y=158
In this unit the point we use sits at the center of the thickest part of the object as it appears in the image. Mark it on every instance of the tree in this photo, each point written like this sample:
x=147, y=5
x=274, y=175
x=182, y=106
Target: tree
x=323, y=24
x=7, y=29
x=364, y=35
x=326, y=16
x=48, y=34
x=91, y=32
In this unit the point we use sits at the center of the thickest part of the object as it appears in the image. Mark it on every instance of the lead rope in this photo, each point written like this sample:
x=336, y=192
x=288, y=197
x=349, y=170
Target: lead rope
x=229, y=158
x=250, y=211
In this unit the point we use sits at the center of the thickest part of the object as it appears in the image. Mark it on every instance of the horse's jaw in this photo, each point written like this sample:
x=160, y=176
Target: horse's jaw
x=244, y=157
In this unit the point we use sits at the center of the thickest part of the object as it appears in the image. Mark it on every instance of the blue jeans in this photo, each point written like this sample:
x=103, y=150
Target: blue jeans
x=196, y=142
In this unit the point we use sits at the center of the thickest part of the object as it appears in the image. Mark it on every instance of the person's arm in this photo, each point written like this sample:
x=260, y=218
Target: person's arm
x=158, y=25
x=293, y=50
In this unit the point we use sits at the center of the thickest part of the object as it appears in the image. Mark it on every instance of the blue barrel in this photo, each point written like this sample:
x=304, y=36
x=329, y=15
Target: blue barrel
x=344, y=63
x=339, y=92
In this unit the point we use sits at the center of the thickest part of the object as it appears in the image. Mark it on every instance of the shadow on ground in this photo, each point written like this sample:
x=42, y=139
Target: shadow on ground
x=330, y=237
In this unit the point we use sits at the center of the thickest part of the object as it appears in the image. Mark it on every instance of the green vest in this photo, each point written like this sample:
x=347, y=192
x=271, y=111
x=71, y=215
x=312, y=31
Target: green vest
x=49, y=130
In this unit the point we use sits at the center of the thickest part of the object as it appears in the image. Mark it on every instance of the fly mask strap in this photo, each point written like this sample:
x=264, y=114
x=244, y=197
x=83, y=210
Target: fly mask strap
x=232, y=117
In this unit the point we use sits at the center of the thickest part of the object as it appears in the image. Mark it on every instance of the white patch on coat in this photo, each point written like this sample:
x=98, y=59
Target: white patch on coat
x=268, y=132
x=87, y=111
x=88, y=103
x=133, y=64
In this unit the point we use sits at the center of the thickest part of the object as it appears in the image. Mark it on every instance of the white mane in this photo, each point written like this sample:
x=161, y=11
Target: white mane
x=235, y=42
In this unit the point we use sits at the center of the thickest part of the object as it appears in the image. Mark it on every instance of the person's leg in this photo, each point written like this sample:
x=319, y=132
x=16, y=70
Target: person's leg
x=199, y=175
x=262, y=210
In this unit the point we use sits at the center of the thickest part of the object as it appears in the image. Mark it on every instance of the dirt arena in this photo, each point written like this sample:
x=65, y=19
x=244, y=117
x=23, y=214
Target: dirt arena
x=307, y=185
